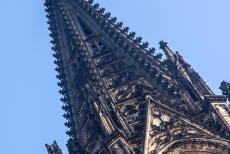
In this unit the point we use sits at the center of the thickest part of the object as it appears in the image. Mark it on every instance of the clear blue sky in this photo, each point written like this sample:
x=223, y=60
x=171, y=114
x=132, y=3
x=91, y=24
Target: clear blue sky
x=30, y=112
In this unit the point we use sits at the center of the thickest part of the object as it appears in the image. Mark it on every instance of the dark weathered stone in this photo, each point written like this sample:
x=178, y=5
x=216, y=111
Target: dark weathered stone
x=120, y=97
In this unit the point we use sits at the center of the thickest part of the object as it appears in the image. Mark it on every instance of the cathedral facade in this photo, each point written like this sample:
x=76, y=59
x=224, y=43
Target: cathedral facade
x=120, y=97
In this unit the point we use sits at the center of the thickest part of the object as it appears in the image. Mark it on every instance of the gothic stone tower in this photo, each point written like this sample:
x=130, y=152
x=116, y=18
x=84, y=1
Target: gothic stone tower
x=121, y=98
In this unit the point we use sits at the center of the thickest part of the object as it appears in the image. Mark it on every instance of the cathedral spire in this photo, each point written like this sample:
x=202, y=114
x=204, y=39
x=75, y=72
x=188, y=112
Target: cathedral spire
x=118, y=96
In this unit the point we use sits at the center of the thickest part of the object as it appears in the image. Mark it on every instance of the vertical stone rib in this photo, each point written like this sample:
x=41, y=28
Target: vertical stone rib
x=147, y=126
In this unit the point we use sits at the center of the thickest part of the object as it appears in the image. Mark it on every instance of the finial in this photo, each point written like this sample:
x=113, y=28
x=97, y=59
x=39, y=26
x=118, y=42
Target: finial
x=107, y=15
x=102, y=10
x=151, y=51
x=145, y=45
x=96, y=5
x=225, y=88
x=90, y=1
x=131, y=35
x=125, y=29
x=163, y=44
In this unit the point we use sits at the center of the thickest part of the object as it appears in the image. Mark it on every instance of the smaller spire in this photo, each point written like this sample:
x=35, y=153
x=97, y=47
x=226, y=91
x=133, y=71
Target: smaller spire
x=225, y=88
x=169, y=54
x=53, y=148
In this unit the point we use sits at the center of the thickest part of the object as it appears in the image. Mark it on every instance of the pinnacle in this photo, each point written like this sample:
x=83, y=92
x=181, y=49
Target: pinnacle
x=163, y=44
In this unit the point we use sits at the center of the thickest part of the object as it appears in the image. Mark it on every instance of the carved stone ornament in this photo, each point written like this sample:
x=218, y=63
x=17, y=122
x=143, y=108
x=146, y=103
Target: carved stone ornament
x=121, y=98
x=167, y=128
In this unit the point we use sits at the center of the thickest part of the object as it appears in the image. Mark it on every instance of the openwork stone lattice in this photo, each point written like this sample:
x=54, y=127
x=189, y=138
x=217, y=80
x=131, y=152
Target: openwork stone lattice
x=120, y=97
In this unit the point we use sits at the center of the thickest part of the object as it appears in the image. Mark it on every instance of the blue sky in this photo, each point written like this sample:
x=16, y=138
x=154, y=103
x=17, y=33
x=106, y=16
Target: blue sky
x=30, y=112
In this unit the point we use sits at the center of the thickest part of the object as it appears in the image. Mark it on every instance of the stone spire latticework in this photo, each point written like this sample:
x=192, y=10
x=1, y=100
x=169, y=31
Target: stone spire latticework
x=120, y=97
